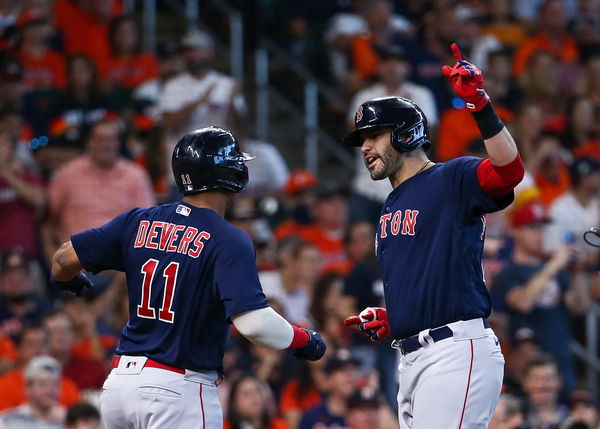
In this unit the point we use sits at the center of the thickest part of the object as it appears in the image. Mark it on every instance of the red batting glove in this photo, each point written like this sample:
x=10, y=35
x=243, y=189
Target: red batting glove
x=372, y=323
x=467, y=81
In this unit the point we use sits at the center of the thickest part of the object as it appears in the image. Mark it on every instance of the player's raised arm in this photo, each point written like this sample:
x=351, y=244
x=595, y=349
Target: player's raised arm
x=503, y=170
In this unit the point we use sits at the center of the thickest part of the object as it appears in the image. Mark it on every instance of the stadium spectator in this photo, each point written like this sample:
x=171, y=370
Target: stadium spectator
x=83, y=416
x=331, y=214
x=324, y=309
x=358, y=244
x=33, y=343
x=250, y=405
x=127, y=66
x=84, y=25
x=474, y=41
x=298, y=203
x=292, y=285
x=341, y=384
x=519, y=349
x=9, y=12
x=22, y=198
x=526, y=129
x=499, y=83
x=552, y=37
x=82, y=102
x=201, y=96
x=42, y=410
x=115, y=184
x=87, y=372
x=365, y=411
x=503, y=24
x=21, y=299
x=580, y=123
x=534, y=292
x=540, y=83
x=548, y=164
x=43, y=68
x=583, y=410
x=508, y=413
x=170, y=64
x=12, y=86
x=574, y=212
x=542, y=384
x=302, y=392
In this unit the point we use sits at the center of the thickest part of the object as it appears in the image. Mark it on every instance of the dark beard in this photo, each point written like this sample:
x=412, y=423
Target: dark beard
x=392, y=161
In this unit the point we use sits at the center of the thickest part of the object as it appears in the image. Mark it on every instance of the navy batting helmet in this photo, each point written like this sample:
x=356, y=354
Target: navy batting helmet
x=405, y=119
x=209, y=159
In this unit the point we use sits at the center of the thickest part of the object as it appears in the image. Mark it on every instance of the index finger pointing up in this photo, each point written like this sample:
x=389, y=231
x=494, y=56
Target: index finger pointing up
x=456, y=51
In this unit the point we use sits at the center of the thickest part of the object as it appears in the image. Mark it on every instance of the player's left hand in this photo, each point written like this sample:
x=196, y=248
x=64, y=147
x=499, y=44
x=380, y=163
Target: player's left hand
x=314, y=349
x=467, y=81
x=75, y=285
x=372, y=323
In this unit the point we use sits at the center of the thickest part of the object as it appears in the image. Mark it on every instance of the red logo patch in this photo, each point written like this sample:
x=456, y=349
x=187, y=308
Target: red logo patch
x=359, y=114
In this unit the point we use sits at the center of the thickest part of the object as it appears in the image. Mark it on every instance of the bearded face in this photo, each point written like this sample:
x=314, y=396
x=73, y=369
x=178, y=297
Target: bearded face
x=380, y=158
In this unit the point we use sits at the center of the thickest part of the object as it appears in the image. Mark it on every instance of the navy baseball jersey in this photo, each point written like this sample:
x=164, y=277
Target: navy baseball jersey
x=430, y=245
x=188, y=272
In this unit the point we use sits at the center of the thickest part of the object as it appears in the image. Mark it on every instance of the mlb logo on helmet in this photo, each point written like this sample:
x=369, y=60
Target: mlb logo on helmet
x=359, y=114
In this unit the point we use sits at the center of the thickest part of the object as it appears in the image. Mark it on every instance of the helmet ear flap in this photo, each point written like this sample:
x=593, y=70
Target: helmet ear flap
x=411, y=139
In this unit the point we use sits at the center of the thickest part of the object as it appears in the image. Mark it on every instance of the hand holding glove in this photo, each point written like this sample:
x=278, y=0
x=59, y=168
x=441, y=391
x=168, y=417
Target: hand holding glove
x=467, y=81
x=313, y=350
x=372, y=323
x=75, y=285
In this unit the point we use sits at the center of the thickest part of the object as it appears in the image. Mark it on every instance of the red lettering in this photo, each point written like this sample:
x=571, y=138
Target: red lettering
x=141, y=233
x=410, y=220
x=170, y=247
x=153, y=233
x=199, y=244
x=396, y=222
x=383, y=221
x=165, y=234
x=187, y=238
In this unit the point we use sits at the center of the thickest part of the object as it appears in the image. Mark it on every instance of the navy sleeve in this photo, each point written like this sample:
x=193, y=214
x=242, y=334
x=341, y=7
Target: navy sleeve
x=100, y=248
x=474, y=201
x=236, y=275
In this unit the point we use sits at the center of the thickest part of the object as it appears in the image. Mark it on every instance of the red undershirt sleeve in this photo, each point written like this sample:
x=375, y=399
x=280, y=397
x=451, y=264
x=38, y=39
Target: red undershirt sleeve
x=498, y=181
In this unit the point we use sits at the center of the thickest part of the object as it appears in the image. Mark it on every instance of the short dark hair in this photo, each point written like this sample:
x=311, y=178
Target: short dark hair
x=541, y=359
x=82, y=411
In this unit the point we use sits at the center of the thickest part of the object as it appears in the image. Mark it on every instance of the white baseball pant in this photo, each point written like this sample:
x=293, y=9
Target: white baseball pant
x=453, y=383
x=135, y=396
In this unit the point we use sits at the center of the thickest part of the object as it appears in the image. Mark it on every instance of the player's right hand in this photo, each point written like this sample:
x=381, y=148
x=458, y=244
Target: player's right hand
x=314, y=349
x=372, y=323
x=75, y=285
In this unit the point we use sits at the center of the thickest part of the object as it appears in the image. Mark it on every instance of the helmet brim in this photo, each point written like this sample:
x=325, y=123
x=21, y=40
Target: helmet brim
x=247, y=157
x=355, y=138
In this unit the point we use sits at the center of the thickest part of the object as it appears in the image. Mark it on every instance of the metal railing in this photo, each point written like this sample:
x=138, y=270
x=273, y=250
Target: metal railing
x=589, y=353
x=314, y=137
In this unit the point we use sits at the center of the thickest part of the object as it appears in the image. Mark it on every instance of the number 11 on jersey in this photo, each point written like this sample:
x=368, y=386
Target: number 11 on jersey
x=170, y=274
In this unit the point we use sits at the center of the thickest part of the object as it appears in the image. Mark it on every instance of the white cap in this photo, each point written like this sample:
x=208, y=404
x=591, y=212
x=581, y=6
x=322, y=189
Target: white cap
x=42, y=365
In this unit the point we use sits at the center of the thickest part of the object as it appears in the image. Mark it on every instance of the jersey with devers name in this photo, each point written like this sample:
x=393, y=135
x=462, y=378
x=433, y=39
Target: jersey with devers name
x=430, y=245
x=188, y=272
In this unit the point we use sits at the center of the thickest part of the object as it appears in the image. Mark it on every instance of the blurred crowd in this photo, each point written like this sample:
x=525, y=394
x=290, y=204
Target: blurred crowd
x=87, y=123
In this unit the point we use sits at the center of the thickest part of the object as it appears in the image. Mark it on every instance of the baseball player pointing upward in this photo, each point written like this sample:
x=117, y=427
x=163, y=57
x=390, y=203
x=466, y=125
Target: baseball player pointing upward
x=429, y=245
x=188, y=273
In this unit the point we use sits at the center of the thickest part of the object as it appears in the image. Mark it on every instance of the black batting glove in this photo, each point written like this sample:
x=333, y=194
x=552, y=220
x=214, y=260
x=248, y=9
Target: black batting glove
x=75, y=285
x=314, y=349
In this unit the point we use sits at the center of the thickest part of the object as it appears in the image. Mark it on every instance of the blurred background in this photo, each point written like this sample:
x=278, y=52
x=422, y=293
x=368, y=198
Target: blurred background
x=94, y=94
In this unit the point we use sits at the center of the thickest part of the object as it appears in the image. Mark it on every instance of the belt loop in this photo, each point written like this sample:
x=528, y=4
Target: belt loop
x=425, y=339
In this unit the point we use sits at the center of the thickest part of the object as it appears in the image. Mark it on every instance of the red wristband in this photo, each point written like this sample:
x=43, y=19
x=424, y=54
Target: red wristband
x=300, y=339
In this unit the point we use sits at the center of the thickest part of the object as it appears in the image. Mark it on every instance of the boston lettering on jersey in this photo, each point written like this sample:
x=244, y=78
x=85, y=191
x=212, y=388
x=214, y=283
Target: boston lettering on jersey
x=408, y=223
x=170, y=237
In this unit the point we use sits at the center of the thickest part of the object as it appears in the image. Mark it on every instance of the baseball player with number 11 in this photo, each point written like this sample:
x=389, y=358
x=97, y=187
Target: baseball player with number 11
x=189, y=272
x=429, y=245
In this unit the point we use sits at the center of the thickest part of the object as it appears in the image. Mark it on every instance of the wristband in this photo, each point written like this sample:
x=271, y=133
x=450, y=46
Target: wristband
x=488, y=121
x=300, y=339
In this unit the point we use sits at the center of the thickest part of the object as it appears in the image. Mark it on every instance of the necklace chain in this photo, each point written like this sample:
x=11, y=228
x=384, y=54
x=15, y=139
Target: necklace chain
x=422, y=168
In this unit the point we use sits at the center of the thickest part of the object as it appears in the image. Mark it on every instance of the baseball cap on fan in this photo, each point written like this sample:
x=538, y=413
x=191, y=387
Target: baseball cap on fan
x=532, y=213
x=341, y=359
x=197, y=39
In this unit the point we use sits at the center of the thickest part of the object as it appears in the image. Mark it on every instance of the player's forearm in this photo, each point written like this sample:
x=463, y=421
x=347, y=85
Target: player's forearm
x=65, y=263
x=500, y=146
x=267, y=328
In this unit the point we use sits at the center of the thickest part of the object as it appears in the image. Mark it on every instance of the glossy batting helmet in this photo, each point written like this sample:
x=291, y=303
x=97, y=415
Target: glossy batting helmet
x=405, y=119
x=209, y=159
